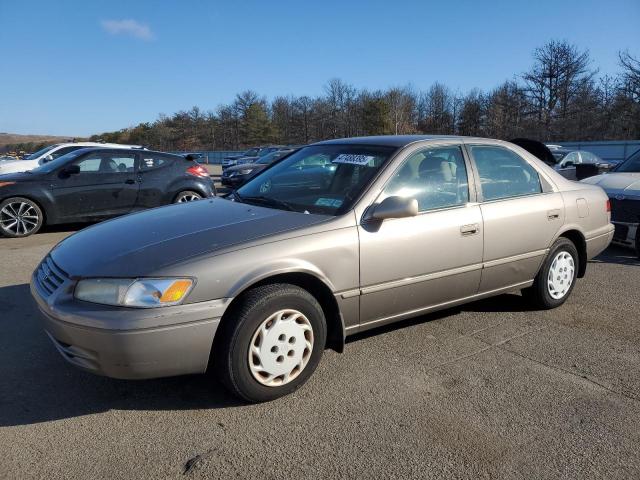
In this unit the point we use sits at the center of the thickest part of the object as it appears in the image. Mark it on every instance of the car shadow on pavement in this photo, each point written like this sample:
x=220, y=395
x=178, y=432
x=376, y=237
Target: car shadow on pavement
x=37, y=385
x=618, y=255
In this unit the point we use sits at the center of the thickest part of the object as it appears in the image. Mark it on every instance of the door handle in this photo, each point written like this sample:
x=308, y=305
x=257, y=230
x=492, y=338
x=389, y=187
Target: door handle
x=553, y=214
x=470, y=229
x=129, y=181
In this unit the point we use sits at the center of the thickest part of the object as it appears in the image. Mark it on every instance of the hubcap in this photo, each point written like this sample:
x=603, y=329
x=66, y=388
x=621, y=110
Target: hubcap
x=188, y=197
x=560, y=275
x=18, y=218
x=280, y=348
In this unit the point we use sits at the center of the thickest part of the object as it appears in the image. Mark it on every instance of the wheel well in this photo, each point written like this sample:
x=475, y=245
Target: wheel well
x=44, y=212
x=321, y=292
x=188, y=189
x=581, y=245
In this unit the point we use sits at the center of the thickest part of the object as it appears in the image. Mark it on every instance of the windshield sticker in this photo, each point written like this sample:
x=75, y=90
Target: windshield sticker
x=328, y=202
x=352, y=159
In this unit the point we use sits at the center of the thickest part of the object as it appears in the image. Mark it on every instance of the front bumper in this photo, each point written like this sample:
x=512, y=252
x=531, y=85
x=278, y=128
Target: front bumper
x=129, y=343
x=234, y=181
x=625, y=234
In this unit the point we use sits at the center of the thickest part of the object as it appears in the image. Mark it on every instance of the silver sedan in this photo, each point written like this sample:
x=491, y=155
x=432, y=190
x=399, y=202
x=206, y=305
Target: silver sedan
x=340, y=237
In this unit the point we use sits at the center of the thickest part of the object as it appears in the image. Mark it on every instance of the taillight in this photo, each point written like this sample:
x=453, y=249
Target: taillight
x=608, y=205
x=198, y=171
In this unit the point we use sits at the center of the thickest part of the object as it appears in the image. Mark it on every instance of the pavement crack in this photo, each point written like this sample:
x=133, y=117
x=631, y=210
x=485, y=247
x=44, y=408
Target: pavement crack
x=583, y=378
x=457, y=359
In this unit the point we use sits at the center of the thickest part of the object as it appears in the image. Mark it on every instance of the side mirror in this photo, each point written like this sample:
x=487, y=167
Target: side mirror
x=395, y=207
x=72, y=169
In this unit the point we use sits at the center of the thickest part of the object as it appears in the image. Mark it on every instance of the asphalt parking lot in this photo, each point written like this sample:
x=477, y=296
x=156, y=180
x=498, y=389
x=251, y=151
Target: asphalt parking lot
x=487, y=390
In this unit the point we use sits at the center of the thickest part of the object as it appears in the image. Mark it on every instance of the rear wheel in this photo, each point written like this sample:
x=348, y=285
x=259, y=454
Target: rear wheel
x=187, y=196
x=556, y=277
x=20, y=217
x=638, y=241
x=271, y=343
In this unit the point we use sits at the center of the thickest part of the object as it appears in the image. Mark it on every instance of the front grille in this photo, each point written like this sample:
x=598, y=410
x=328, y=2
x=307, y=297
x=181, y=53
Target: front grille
x=49, y=276
x=627, y=210
x=620, y=232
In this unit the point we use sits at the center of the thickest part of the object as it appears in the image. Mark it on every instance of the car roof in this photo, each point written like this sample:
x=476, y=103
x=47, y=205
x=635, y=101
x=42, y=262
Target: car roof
x=142, y=150
x=389, y=140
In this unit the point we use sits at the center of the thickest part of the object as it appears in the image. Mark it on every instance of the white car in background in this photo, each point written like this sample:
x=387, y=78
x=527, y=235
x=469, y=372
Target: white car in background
x=49, y=153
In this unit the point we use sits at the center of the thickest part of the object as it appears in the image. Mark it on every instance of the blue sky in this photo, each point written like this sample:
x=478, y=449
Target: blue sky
x=79, y=67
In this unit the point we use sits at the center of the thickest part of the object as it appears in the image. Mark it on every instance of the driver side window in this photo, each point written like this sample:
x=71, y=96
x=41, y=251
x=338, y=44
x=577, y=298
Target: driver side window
x=435, y=177
x=105, y=162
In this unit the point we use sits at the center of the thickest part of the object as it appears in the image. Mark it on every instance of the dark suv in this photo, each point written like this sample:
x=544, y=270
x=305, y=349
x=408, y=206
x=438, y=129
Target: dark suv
x=97, y=183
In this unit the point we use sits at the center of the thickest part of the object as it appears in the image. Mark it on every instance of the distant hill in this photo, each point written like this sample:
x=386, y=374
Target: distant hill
x=14, y=138
x=20, y=144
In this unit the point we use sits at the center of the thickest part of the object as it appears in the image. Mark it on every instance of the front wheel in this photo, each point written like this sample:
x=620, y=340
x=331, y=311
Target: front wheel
x=20, y=217
x=271, y=342
x=187, y=196
x=557, y=276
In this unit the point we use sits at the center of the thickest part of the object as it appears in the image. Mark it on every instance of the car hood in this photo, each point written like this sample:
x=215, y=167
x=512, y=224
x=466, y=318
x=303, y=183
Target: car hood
x=244, y=166
x=19, y=176
x=143, y=243
x=17, y=165
x=627, y=182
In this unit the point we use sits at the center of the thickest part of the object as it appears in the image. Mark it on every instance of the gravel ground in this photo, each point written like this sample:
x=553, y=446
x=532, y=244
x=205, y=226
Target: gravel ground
x=491, y=389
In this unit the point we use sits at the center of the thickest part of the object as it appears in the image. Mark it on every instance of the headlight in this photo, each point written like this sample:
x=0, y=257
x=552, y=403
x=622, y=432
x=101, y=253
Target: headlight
x=131, y=292
x=246, y=171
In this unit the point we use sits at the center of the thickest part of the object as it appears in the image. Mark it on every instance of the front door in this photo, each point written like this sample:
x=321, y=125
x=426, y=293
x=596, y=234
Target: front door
x=106, y=186
x=410, y=264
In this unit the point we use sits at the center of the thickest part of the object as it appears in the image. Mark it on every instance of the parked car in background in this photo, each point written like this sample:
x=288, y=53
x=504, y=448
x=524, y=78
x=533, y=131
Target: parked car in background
x=258, y=284
x=93, y=184
x=251, y=156
x=622, y=185
x=239, y=174
x=50, y=153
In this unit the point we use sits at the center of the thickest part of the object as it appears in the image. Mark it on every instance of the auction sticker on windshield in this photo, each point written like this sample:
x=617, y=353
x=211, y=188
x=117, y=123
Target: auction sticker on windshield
x=353, y=159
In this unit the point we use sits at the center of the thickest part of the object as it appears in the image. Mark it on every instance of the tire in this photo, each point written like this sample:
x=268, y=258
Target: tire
x=20, y=217
x=638, y=242
x=563, y=260
x=257, y=342
x=187, y=196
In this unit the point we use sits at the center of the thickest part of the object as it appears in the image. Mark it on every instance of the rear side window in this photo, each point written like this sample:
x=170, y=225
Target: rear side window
x=503, y=173
x=149, y=162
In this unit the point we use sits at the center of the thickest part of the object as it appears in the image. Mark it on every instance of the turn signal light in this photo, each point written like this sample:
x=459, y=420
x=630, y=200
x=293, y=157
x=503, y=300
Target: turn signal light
x=608, y=205
x=176, y=291
x=198, y=171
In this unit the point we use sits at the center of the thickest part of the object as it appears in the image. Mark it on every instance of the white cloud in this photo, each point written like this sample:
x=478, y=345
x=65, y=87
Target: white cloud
x=128, y=27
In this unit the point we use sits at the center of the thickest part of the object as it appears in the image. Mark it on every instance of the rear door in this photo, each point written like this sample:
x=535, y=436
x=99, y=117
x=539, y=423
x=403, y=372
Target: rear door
x=521, y=215
x=156, y=173
x=106, y=186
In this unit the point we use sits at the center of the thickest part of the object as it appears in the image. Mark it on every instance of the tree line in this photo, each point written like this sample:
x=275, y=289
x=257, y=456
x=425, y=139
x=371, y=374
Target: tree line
x=561, y=97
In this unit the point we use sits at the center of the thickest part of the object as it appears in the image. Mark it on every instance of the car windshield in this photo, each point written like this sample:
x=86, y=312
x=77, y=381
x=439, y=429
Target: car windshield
x=559, y=154
x=324, y=179
x=58, y=162
x=252, y=152
x=631, y=164
x=266, y=151
x=272, y=157
x=40, y=152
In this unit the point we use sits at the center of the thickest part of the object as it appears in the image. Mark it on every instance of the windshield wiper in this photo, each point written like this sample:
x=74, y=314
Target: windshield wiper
x=267, y=201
